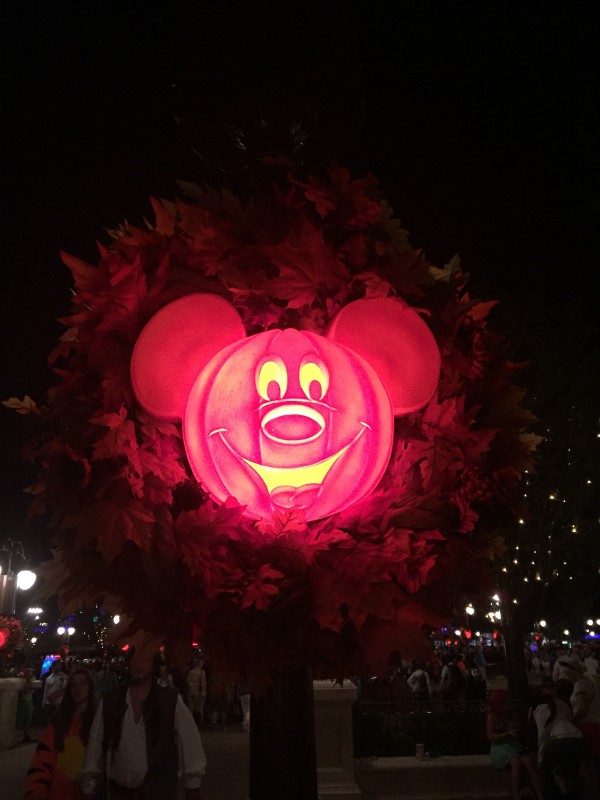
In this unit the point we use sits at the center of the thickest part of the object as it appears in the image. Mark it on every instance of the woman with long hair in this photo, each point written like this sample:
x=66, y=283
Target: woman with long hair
x=506, y=749
x=59, y=757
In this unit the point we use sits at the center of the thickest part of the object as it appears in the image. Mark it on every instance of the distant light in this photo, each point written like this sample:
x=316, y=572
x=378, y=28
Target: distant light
x=566, y=631
x=25, y=579
x=598, y=622
x=470, y=610
x=521, y=522
x=496, y=598
x=477, y=633
x=457, y=632
x=34, y=610
x=542, y=623
x=498, y=615
x=60, y=630
x=33, y=639
x=70, y=631
x=552, y=497
x=116, y=619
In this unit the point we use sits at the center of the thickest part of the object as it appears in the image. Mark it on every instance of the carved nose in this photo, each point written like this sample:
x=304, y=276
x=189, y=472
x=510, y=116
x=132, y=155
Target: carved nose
x=293, y=424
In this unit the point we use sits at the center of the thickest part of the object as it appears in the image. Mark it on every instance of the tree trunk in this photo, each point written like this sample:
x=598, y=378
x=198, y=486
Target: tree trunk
x=516, y=667
x=283, y=763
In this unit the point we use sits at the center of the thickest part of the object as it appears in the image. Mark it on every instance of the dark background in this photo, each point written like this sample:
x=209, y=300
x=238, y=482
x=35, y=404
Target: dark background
x=480, y=119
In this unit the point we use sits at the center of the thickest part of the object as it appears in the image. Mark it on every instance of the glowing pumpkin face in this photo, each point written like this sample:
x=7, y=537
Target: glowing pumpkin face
x=289, y=418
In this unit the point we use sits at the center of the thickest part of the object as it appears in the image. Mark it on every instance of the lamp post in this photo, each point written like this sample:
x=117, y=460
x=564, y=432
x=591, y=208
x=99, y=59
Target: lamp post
x=61, y=630
x=11, y=581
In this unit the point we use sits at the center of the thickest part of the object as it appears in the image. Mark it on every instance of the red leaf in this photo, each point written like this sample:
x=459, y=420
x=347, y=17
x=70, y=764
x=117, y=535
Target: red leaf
x=260, y=592
x=112, y=523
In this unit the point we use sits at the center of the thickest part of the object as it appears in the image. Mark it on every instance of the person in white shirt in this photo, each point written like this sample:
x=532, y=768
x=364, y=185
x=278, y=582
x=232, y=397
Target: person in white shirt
x=54, y=689
x=419, y=683
x=560, y=744
x=144, y=738
x=592, y=667
x=560, y=671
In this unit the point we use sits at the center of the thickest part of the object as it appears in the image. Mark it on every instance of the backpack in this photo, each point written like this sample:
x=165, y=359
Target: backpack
x=456, y=680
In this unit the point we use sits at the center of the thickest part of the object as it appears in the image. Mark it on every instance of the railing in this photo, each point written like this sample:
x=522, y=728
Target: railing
x=394, y=728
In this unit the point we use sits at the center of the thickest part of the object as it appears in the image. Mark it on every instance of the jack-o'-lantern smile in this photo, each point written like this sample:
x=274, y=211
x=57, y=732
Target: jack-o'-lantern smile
x=279, y=479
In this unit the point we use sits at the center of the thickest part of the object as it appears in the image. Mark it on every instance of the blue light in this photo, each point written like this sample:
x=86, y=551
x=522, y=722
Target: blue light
x=47, y=663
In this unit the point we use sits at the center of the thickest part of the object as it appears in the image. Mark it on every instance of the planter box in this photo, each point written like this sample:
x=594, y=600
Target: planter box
x=9, y=700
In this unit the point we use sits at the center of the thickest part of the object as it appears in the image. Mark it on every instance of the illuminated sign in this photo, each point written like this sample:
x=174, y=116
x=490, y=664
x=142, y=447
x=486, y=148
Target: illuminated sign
x=285, y=418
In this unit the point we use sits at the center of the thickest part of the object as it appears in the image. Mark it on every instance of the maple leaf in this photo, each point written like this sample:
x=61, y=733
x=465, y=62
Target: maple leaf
x=25, y=406
x=112, y=523
x=375, y=285
x=165, y=216
x=396, y=238
x=317, y=193
x=479, y=311
x=120, y=440
x=306, y=266
x=262, y=589
x=449, y=270
x=290, y=521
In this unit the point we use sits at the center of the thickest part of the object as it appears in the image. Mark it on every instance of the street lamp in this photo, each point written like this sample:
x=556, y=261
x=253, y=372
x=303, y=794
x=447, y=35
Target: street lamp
x=9, y=581
x=61, y=630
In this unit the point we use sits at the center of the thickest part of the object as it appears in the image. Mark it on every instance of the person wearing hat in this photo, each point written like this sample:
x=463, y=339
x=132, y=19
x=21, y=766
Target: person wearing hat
x=144, y=737
x=564, y=660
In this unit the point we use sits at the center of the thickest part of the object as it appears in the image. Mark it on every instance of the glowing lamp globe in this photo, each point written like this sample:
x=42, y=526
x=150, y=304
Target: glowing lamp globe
x=285, y=418
x=25, y=579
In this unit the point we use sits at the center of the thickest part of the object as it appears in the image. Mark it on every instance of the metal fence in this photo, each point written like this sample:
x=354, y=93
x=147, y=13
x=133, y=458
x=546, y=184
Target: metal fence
x=395, y=728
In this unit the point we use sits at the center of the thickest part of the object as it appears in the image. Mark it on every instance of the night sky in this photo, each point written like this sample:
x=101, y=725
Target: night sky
x=480, y=120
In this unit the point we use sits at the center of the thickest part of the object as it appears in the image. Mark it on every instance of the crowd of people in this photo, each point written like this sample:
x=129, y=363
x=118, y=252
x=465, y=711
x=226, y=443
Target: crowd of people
x=124, y=729
x=130, y=727
x=557, y=753
x=450, y=676
x=552, y=750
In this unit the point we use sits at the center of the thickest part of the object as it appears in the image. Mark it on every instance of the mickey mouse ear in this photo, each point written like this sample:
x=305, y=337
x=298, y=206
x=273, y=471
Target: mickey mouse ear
x=393, y=338
x=174, y=347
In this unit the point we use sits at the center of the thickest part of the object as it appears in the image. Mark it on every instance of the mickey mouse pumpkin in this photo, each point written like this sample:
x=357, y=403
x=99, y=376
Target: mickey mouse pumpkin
x=285, y=418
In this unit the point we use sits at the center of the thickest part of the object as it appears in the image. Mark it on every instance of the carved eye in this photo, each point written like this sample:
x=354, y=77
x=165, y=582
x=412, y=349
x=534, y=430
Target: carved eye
x=272, y=380
x=314, y=380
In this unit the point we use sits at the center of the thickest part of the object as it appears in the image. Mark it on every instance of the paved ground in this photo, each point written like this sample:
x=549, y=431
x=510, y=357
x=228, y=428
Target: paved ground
x=226, y=777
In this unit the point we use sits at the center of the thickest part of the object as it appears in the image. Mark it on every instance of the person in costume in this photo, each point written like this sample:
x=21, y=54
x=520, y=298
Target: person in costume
x=144, y=738
x=55, y=770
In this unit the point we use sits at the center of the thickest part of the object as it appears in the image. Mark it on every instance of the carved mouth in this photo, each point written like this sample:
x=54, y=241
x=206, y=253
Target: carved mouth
x=294, y=477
